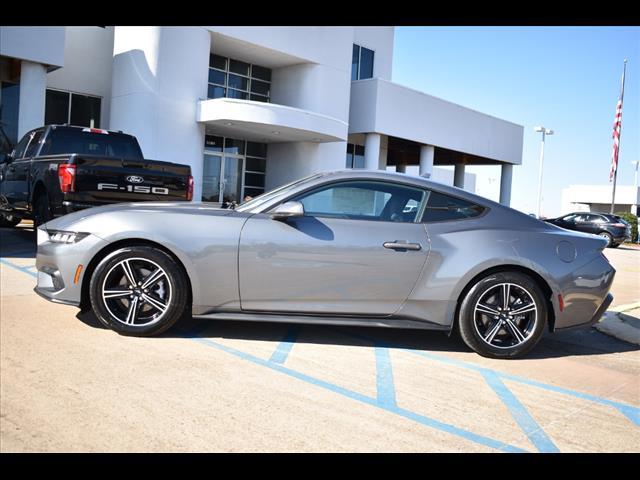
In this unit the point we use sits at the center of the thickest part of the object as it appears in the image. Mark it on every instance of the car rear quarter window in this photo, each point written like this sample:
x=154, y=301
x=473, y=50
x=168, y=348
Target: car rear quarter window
x=441, y=208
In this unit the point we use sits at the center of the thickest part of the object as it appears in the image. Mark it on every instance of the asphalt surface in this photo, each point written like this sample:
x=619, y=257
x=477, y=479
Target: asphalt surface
x=67, y=384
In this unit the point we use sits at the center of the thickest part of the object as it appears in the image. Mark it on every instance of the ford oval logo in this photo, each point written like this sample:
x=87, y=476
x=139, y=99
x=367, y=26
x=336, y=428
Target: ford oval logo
x=134, y=179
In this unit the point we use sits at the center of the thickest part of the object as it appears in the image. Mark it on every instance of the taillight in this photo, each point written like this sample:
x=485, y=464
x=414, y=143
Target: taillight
x=618, y=225
x=190, y=189
x=67, y=177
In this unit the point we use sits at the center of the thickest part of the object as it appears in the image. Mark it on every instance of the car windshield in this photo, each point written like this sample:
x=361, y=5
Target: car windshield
x=267, y=196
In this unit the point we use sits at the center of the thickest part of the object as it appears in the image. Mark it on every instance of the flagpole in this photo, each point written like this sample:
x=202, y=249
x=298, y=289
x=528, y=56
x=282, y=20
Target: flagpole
x=615, y=173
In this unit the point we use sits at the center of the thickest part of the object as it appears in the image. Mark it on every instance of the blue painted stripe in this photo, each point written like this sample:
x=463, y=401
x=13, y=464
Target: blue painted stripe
x=429, y=422
x=521, y=415
x=284, y=347
x=18, y=267
x=385, y=387
x=630, y=411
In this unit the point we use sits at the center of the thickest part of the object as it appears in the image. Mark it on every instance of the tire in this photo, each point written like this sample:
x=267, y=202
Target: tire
x=495, y=337
x=143, y=312
x=41, y=210
x=8, y=220
x=607, y=236
x=614, y=245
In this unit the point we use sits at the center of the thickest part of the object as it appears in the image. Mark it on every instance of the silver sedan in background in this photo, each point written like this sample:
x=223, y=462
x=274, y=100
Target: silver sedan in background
x=351, y=248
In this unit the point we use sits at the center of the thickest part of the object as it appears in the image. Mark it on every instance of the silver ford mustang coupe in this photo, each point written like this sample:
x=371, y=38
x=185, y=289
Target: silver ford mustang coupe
x=350, y=248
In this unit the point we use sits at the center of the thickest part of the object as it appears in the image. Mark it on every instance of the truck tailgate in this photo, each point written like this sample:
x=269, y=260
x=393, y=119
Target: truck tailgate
x=101, y=180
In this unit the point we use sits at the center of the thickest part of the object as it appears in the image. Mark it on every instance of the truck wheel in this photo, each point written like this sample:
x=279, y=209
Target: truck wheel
x=8, y=220
x=138, y=291
x=41, y=210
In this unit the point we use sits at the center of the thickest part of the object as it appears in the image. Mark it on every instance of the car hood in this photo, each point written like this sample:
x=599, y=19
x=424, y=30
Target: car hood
x=91, y=218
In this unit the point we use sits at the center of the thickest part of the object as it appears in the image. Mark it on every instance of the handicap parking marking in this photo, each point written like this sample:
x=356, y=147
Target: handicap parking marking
x=23, y=269
x=534, y=432
x=386, y=391
x=284, y=347
x=424, y=420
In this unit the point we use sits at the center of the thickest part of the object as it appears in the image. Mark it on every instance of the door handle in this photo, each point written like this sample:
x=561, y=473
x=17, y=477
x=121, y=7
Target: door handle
x=402, y=245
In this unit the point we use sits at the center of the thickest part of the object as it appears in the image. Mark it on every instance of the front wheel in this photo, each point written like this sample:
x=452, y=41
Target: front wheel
x=139, y=291
x=503, y=315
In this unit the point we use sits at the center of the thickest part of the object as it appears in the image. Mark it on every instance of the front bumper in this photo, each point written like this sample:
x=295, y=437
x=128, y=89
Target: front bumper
x=57, y=264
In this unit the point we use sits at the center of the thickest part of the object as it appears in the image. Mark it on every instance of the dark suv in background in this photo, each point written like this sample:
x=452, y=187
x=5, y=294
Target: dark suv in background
x=610, y=227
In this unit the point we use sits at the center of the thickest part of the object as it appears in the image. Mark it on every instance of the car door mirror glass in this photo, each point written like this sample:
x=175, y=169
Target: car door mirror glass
x=287, y=210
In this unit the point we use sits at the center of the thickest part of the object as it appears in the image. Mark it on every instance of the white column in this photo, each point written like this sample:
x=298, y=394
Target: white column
x=458, y=175
x=401, y=168
x=159, y=74
x=33, y=85
x=426, y=160
x=372, y=151
x=382, y=163
x=505, y=184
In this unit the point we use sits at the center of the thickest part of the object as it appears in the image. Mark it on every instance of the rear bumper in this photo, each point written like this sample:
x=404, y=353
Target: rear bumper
x=585, y=293
x=596, y=316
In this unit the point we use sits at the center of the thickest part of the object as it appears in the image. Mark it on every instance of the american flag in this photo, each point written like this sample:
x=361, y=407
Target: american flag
x=617, y=125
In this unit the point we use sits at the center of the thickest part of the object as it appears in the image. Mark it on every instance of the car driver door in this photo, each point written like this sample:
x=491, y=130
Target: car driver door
x=357, y=250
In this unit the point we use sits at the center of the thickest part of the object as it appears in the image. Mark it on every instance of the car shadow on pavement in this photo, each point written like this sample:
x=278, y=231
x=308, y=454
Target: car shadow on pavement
x=559, y=344
x=18, y=242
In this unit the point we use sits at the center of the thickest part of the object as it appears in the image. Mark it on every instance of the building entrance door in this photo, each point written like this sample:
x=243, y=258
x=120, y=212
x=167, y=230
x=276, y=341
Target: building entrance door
x=222, y=177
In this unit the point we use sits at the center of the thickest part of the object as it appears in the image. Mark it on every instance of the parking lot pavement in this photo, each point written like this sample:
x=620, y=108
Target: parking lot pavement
x=67, y=384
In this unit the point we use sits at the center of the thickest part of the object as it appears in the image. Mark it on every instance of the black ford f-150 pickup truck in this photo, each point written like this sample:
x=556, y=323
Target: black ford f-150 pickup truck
x=58, y=169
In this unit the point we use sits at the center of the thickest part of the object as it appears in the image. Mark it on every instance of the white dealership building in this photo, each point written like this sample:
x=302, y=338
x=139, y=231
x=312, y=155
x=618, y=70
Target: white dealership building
x=248, y=108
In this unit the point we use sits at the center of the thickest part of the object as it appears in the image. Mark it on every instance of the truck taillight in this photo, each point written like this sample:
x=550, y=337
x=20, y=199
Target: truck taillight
x=190, y=189
x=67, y=177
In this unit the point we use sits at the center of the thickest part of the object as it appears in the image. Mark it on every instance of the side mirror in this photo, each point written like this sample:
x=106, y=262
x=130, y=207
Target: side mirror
x=5, y=158
x=287, y=210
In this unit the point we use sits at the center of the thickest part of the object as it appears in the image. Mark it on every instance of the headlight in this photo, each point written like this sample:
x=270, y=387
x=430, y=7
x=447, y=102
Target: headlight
x=60, y=236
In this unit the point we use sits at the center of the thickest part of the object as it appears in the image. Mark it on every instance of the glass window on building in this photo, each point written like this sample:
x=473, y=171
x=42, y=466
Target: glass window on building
x=355, y=156
x=72, y=108
x=233, y=169
x=232, y=78
x=9, y=102
x=361, y=63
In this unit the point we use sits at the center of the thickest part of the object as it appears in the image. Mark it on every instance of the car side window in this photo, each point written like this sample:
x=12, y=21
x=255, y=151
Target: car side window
x=364, y=200
x=18, y=152
x=441, y=207
x=33, y=145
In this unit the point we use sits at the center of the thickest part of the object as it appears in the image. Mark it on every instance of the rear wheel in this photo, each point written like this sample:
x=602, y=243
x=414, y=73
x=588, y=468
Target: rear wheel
x=503, y=315
x=8, y=220
x=41, y=210
x=138, y=291
x=607, y=236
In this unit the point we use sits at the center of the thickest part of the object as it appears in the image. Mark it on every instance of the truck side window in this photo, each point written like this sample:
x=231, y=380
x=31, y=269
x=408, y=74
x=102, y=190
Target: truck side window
x=18, y=152
x=33, y=145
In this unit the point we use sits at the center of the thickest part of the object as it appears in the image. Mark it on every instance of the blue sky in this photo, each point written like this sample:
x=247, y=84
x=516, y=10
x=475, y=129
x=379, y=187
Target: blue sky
x=565, y=78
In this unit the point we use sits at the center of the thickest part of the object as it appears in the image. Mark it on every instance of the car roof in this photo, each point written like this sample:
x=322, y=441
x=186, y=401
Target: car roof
x=410, y=180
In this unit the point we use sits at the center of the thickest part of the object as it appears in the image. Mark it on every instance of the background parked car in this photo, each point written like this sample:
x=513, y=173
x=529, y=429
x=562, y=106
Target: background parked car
x=614, y=229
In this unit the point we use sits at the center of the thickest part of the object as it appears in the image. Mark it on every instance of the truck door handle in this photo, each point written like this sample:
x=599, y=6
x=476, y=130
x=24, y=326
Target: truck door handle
x=402, y=245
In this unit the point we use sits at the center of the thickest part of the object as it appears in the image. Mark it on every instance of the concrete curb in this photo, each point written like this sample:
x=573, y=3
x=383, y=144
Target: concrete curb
x=622, y=322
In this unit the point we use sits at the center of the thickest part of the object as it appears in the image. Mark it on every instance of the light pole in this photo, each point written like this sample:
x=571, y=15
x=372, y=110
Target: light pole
x=635, y=194
x=545, y=132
